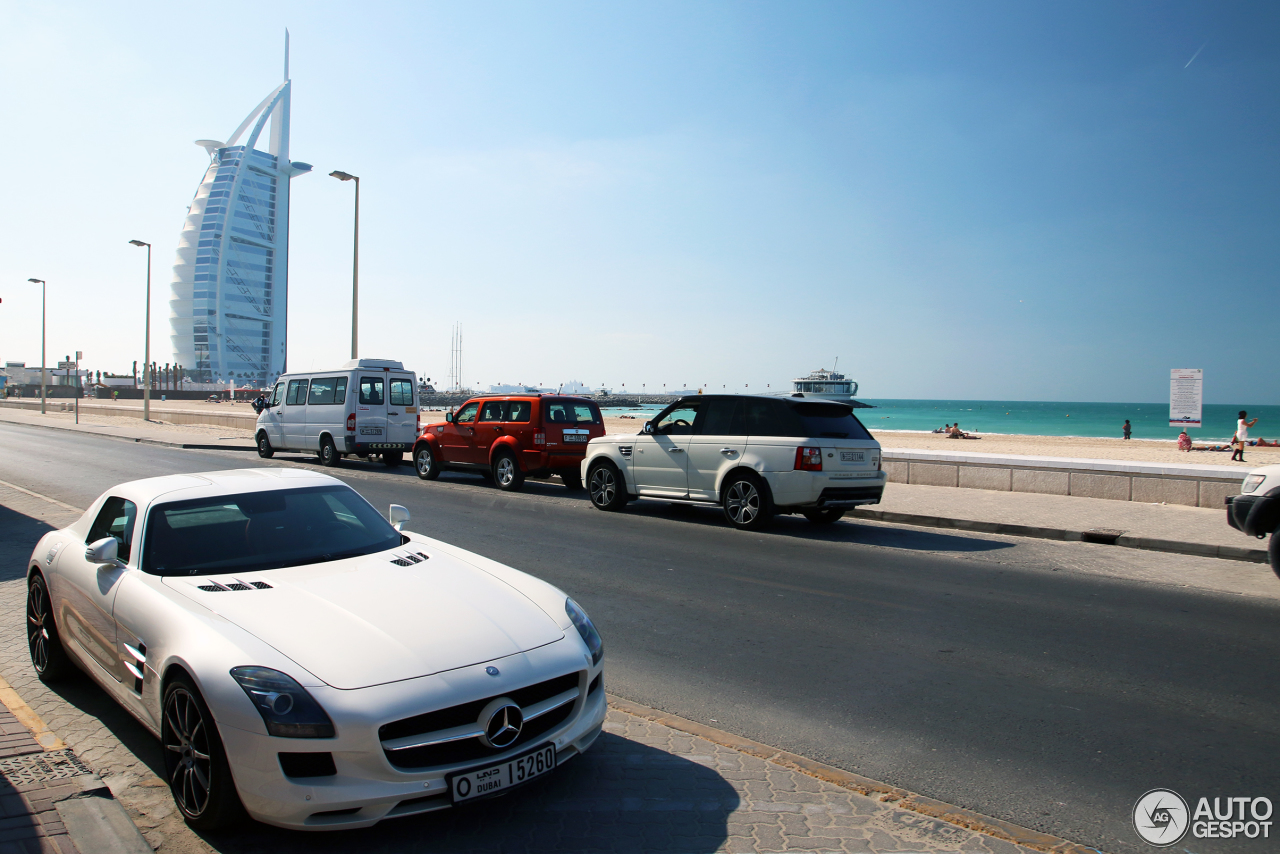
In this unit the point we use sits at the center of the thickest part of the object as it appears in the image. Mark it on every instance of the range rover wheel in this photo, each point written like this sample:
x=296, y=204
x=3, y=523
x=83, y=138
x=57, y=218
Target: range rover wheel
x=606, y=488
x=425, y=462
x=49, y=659
x=745, y=504
x=195, y=763
x=823, y=517
x=391, y=459
x=328, y=453
x=572, y=480
x=264, y=446
x=506, y=472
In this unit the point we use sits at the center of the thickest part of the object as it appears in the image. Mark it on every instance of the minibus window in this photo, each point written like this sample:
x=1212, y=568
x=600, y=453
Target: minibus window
x=371, y=391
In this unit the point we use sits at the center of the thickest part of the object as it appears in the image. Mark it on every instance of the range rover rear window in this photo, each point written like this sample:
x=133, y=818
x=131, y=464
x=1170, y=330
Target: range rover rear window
x=830, y=421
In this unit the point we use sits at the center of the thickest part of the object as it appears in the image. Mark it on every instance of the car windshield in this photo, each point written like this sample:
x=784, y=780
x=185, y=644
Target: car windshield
x=262, y=530
x=830, y=421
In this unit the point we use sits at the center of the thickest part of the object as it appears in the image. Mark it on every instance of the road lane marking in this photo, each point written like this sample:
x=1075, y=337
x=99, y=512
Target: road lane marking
x=796, y=589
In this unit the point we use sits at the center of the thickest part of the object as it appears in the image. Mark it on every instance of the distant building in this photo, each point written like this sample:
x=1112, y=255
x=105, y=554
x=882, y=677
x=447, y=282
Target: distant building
x=231, y=280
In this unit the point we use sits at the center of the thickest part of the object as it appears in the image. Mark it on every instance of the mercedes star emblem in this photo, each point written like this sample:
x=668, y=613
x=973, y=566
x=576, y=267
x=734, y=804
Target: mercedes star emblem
x=504, y=725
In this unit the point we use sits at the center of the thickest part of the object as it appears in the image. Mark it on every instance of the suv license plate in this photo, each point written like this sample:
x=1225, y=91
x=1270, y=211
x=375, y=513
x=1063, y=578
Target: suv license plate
x=853, y=456
x=495, y=778
x=576, y=437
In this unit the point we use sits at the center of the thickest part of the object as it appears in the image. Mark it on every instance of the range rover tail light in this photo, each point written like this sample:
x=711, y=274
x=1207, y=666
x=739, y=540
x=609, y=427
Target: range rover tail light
x=808, y=459
x=351, y=423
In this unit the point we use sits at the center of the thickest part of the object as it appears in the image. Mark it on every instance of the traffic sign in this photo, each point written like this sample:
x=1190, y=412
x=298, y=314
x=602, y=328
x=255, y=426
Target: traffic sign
x=66, y=366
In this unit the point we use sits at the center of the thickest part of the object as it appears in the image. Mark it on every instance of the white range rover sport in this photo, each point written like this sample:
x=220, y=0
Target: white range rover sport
x=755, y=456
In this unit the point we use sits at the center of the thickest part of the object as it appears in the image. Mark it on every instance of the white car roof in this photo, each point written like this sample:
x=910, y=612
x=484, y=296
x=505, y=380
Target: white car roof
x=180, y=487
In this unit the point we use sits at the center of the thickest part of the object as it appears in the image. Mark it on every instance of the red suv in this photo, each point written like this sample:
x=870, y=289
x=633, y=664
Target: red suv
x=512, y=437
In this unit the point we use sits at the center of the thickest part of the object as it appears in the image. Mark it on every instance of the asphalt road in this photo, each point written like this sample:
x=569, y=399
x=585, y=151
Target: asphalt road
x=1028, y=680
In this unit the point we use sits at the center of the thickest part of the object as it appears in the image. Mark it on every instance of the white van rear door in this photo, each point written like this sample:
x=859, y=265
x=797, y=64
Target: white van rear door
x=402, y=410
x=371, y=409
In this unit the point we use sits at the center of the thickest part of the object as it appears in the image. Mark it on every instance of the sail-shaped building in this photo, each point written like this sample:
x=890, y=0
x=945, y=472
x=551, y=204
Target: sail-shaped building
x=229, y=307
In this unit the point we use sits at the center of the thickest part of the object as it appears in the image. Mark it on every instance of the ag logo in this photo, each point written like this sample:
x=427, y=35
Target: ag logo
x=1161, y=817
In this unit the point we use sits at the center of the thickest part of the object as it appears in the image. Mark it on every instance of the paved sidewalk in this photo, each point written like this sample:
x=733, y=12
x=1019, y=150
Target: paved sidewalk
x=134, y=429
x=651, y=784
x=1160, y=527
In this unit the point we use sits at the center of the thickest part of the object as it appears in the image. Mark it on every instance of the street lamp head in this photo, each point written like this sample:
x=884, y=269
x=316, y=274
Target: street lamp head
x=342, y=176
x=36, y=281
x=139, y=243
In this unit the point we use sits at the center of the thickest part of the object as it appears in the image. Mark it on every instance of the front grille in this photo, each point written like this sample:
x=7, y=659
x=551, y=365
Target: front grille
x=469, y=713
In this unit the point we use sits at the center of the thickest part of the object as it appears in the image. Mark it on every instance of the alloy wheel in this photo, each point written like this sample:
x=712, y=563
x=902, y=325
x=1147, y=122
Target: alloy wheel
x=742, y=504
x=603, y=487
x=186, y=744
x=424, y=461
x=39, y=617
x=506, y=471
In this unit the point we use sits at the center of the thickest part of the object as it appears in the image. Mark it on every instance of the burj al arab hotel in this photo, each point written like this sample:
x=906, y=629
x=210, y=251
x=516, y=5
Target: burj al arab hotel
x=230, y=297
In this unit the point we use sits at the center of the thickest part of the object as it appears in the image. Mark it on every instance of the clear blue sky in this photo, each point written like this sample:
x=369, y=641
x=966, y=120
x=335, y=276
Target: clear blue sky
x=963, y=200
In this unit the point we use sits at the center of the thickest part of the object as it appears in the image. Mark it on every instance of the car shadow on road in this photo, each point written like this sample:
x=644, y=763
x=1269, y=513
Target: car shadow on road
x=847, y=530
x=18, y=534
x=620, y=796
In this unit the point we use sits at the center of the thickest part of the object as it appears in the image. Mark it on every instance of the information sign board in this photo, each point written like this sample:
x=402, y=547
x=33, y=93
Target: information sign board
x=1186, y=395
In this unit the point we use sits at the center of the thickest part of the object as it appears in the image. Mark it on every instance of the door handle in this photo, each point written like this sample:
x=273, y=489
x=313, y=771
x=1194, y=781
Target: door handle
x=728, y=451
x=676, y=450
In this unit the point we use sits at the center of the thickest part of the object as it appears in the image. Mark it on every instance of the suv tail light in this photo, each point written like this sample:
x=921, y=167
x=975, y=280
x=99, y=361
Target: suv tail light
x=539, y=438
x=808, y=459
x=351, y=423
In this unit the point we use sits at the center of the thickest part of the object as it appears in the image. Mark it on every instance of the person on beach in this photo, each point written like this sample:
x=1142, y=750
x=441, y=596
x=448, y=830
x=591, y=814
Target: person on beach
x=1184, y=441
x=1242, y=435
x=1128, y=428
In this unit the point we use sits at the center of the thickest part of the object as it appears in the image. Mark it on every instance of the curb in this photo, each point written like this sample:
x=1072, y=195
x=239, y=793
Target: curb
x=56, y=782
x=883, y=792
x=139, y=440
x=1109, y=538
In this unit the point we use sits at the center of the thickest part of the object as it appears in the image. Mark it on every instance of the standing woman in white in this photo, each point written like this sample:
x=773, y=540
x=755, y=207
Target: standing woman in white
x=1242, y=435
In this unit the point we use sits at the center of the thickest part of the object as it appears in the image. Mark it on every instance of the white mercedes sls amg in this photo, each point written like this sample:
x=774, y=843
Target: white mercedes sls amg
x=302, y=658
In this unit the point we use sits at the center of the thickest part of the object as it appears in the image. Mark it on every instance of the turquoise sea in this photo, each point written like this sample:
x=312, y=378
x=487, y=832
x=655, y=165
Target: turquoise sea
x=1048, y=418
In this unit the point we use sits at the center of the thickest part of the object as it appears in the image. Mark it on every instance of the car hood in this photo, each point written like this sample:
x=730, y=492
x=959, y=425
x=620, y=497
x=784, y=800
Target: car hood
x=367, y=621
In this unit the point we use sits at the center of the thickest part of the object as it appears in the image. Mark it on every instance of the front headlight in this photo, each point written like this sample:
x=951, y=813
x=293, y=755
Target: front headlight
x=286, y=707
x=1252, y=482
x=583, y=624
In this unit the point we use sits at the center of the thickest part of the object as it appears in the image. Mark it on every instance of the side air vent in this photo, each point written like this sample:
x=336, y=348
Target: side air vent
x=410, y=558
x=236, y=585
x=262, y=585
x=402, y=562
x=625, y=450
x=213, y=588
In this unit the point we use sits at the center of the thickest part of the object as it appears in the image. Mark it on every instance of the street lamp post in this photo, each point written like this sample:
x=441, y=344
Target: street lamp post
x=44, y=370
x=146, y=387
x=355, y=264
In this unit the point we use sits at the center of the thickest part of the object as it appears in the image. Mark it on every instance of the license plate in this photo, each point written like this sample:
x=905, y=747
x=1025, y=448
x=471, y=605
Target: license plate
x=576, y=437
x=853, y=456
x=495, y=778
x=370, y=431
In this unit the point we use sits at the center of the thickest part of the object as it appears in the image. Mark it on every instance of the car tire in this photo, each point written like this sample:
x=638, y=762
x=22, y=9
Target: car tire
x=572, y=481
x=1273, y=552
x=328, y=453
x=48, y=657
x=605, y=486
x=506, y=472
x=425, y=462
x=746, y=503
x=823, y=517
x=264, y=446
x=195, y=763
x=391, y=459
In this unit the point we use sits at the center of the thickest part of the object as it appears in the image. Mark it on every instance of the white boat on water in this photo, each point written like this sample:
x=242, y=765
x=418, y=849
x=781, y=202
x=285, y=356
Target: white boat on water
x=828, y=385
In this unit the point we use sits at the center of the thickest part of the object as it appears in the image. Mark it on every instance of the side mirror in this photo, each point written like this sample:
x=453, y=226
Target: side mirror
x=448, y=416
x=648, y=427
x=102, y=551
x=398, y=515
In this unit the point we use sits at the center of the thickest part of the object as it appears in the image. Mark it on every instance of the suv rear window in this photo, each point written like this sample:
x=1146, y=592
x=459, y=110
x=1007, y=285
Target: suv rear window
x=830, y=421
x=567, y=412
